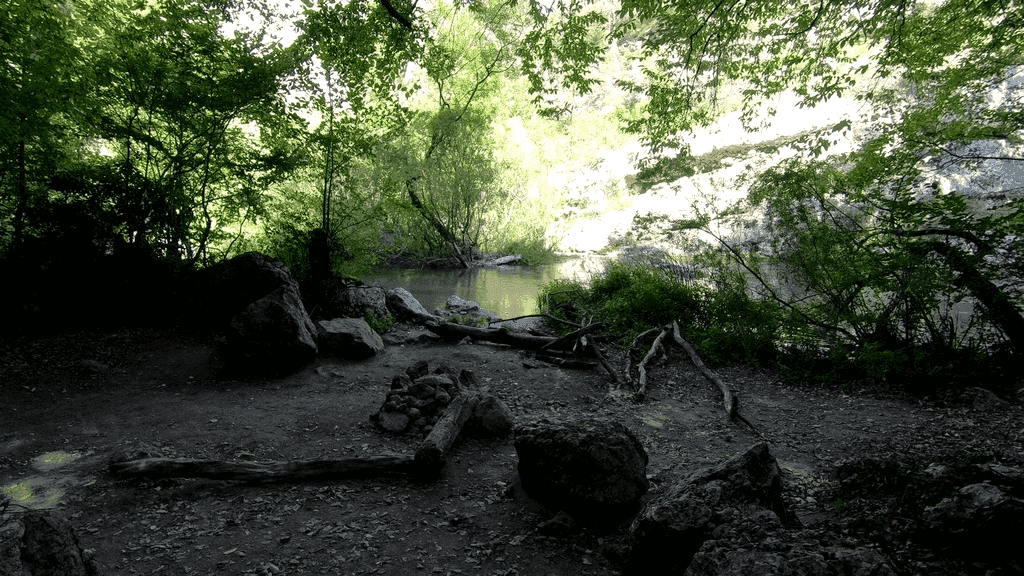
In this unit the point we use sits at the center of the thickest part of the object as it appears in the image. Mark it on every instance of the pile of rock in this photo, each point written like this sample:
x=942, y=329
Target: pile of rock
x=419, y=396
x=417, y=399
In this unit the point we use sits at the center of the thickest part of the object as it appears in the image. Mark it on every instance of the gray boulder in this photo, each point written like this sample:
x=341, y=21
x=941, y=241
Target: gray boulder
x=407, y=307
x=274, y=334
x=349, y=338
x=594, y=469
x=341, y=301
x=979, y=522
x=456, y=306
x=41, y=543
x=226, y=288
x=491, y=417
x=675, y=524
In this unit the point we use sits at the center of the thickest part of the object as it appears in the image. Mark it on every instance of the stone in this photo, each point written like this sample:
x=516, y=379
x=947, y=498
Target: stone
x=422, y=389
x=42, y=543
x=594, y=469
x=434, y=382
x=561, y=524
x=228, y=287
x=491, y=417
x=442, y=397
x=418, y=369
x=456, y=306
x=349, y=338
x=755, y=544
x=354, y=301
x=981, y=522
x=273, y=334
x=406, y=307
x=673, y=526
x=394, y=422
x=401, y=382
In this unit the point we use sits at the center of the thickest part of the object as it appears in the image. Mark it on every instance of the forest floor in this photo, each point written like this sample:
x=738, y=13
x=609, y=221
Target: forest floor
x=70, y=402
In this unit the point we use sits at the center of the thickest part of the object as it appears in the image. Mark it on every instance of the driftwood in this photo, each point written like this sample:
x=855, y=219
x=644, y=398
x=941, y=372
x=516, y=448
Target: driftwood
x=568, y=363
x=729, y=400
x=572, y=336
x=641, y=389
x=506, y=259
x=430, y=455
x=450, y=331
x=604, y=362
x=629, y=356
x=267, y=472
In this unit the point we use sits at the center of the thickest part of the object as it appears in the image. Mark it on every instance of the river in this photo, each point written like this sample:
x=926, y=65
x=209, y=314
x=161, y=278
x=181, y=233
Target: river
x=508, y=291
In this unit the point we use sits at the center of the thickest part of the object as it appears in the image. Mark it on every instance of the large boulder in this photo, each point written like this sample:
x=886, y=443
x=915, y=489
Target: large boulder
x=41, y=543
x=980, y=522
x=349, y=338
x=341, y=301
x=674, y=525
x=273, y=334
x=407, y=307
x=593, y=469
x=226, y=288
x=456, y=306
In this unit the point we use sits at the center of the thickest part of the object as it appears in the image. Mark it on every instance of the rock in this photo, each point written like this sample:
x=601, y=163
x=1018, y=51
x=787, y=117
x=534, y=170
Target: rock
x=401, y=382
x=274, y=334
x=418, y=370
x=456, y=306
x=407, y=307
x=980, y=522
x=562, y=524
x=404, y=336
x=343, y=301
x=594, y=469
x=394, y=422
x=93, y=367
x=673, y=525
x=41, y=543
x=755, y=544
x=491, y=417
x=349, y=338
x=430, y=384
x=227, y=288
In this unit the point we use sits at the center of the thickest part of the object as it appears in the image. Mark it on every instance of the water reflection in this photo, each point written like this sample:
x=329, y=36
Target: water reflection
x=508, y=291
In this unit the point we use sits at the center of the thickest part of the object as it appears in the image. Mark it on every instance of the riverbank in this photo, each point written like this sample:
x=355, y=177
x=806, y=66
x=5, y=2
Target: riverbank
x=73, y=401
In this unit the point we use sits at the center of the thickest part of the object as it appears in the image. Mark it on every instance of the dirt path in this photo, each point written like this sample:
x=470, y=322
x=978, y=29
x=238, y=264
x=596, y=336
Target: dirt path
x=63, y=418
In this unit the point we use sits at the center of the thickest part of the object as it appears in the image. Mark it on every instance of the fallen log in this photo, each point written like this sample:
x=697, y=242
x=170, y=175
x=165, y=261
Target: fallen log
x=267, y=472
x=450, y=331
x=430, y=455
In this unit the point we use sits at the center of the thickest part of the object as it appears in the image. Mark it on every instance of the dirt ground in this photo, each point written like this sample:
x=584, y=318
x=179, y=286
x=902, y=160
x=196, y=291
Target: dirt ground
x=71, y=402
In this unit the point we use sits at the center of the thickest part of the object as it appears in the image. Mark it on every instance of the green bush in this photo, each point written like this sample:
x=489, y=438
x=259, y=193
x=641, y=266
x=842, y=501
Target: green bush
x=715, y=314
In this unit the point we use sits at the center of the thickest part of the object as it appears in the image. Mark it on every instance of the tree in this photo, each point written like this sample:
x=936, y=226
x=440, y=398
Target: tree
x=873, y=247
x=43, y=95
x=178, y=99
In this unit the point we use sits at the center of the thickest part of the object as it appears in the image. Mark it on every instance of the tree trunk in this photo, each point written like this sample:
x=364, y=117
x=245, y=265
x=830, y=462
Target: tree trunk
x=267, y=472
x=430, y=455
x=1004, y=313
x=450, y=331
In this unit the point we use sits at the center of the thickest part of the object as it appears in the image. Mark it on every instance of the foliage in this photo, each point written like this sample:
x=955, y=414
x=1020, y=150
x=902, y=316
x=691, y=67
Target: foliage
x=380, y=325
x=715, y=313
